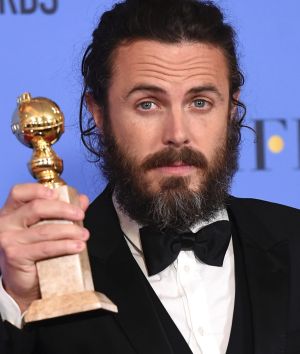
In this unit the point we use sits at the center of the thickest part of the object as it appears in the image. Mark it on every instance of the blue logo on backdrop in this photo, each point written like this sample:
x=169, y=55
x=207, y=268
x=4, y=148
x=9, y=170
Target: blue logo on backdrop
x=28, y=7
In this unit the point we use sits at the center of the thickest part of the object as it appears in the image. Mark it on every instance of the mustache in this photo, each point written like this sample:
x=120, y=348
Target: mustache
x=170, y=156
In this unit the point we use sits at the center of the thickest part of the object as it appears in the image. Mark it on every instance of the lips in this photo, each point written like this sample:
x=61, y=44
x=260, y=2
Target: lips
x=179, y=163
x=177, y=168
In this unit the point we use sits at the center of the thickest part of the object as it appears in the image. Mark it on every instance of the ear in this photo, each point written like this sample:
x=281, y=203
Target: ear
x=234, y=107
x=95, y=110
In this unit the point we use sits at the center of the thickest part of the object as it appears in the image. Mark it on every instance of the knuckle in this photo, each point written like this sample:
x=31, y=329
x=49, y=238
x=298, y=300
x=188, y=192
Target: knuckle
x=5, y=240
x=39, y=229
x=14, y=192
x=35, y=207
x=47, y=250
x=36, y=231
x=75, y=230
x=68, y=230
x=48, y=231
x=11, y=254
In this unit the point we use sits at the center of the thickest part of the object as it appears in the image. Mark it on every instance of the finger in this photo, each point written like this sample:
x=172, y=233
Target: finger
x=25, y=256
x=53, y=232
x=84, y=201
x=40, y=209
x=23, y=193
x=12, y=243
x=49, y=249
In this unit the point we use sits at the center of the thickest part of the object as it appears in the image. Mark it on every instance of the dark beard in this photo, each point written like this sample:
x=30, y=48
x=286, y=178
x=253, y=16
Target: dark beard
x=175, y=206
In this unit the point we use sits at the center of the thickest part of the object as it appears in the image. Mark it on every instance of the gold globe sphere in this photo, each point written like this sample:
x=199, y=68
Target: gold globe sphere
x=38, y=123
x=35, y=117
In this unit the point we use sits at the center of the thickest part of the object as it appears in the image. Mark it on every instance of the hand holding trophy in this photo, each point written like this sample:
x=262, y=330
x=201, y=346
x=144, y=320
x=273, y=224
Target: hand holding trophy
x=66, y=283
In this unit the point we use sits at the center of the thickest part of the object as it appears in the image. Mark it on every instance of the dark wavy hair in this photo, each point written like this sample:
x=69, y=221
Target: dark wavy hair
x=167, y=21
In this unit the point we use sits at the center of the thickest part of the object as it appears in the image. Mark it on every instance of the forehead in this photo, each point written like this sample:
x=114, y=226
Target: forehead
x=181, y=63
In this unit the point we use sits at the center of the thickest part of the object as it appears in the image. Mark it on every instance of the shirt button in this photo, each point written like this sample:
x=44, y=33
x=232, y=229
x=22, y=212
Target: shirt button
x=186, y=268
x=201, y=331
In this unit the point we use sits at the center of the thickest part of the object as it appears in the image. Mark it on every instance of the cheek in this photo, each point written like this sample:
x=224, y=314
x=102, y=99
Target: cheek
x=211, y=136
x=121, y=126
x=134, y=134
x=131, y=139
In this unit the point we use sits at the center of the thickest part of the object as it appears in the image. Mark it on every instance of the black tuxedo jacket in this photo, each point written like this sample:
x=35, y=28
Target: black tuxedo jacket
x=267, y=307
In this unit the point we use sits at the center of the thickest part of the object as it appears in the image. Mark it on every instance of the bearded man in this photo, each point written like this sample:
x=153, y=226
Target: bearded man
x=191, y=269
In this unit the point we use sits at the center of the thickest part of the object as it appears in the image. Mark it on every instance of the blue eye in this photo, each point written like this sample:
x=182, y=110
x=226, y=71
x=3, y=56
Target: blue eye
x=199, y=103
x=147, y=105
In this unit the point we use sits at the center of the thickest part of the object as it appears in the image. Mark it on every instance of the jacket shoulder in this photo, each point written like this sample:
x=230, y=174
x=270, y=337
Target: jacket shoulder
x=265, y=222
x=263, y=208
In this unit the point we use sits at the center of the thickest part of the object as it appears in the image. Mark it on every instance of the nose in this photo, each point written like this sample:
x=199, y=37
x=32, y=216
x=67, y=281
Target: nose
x=176, y=132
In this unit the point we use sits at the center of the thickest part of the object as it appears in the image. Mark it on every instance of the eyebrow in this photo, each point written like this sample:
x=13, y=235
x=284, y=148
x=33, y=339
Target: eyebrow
x=142, y=87
x=193, y=90
x=206, y=88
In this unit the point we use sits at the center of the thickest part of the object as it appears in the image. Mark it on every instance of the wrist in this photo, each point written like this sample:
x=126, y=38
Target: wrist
x=23, y=301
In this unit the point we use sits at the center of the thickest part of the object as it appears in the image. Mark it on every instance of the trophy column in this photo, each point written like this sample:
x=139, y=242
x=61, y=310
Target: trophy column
x=66, y=283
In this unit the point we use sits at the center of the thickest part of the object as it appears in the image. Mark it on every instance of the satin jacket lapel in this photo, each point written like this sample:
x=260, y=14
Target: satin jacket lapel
x=116, y=274
x=267, y=271
x=241, y=336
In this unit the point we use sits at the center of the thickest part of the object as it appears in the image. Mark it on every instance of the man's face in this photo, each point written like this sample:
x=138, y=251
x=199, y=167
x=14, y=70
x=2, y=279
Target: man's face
x=168, y=111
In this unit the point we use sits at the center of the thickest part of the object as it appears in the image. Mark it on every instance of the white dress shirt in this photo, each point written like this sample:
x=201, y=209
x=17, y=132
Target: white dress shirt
x=199, y=298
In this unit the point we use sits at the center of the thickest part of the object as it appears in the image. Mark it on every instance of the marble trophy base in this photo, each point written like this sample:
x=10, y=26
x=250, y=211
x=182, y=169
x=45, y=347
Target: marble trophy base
x=66, y=284
x=68, y=304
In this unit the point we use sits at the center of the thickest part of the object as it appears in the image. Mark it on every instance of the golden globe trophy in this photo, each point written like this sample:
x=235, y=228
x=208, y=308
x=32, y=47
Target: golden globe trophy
x=66, y=283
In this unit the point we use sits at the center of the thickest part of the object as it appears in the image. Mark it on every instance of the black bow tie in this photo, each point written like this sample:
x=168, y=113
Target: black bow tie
x=162, y=248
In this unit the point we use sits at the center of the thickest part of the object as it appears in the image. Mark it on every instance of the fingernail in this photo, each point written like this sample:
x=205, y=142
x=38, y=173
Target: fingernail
x=85, y=234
